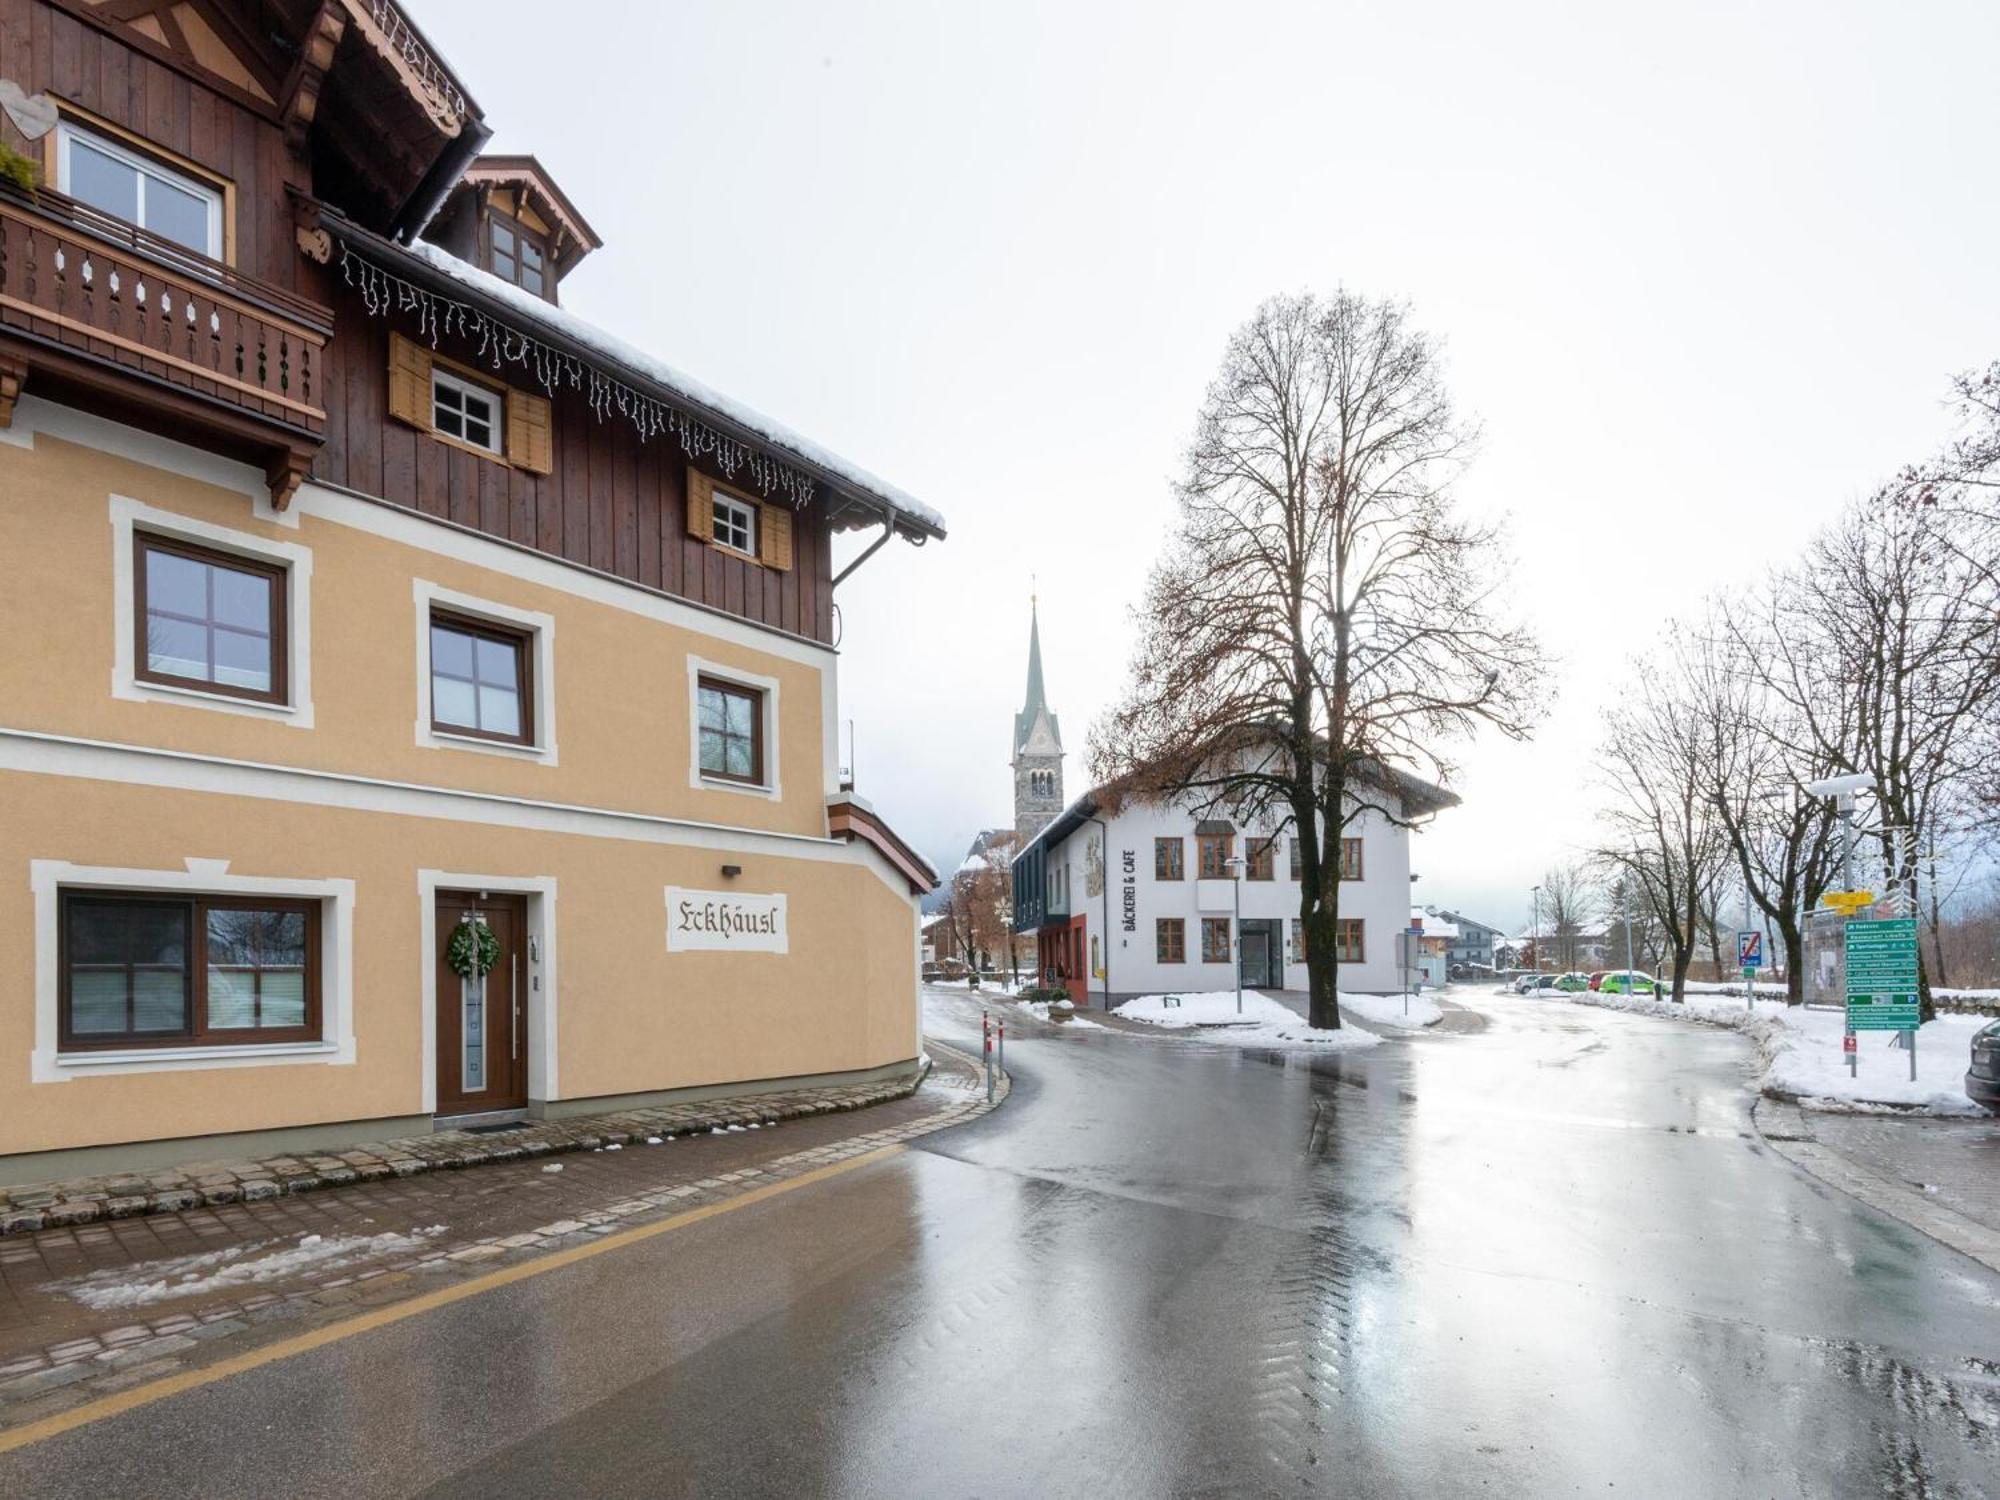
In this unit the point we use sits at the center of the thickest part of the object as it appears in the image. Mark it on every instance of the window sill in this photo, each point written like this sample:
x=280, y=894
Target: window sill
x=724, y=784
x=212, y=1053
x=172, y=691
x=444, y=739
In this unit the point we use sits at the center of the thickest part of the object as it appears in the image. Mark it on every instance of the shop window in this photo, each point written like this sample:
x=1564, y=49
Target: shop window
x=1170, y=940
x=731, y=731
x=208, y=619
x=1215, y=940
x=140, y=971
x=1347, y=943
x=480, y=680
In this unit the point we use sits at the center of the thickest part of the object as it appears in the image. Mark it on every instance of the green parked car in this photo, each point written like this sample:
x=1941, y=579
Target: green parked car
x=1571, y=983
x=1627, y=982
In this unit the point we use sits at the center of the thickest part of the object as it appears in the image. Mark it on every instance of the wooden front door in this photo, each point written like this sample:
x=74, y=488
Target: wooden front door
x=482, y=1024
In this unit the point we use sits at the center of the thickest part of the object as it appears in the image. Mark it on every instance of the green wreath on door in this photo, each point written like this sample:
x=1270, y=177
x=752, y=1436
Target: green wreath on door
x=473, y=949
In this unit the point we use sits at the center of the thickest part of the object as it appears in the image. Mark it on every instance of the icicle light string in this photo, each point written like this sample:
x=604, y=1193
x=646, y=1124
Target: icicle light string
x=384, y=292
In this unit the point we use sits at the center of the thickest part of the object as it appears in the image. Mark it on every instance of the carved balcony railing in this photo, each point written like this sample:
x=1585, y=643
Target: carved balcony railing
x=97, y=302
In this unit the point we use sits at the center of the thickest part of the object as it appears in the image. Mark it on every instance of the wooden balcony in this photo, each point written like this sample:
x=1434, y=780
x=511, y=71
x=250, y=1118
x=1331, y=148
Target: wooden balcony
x=101, y=314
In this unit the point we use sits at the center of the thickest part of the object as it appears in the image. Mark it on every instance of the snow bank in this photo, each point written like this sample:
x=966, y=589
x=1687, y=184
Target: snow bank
x=1801, y=1055
x=1040, y=1010
x=154, y=1281
x=1264, y=1022
x=1387, y=1010
x=533, y=310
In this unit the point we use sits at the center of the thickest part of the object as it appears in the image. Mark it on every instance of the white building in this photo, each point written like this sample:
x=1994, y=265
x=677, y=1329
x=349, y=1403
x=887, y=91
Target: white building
x=1131, y=897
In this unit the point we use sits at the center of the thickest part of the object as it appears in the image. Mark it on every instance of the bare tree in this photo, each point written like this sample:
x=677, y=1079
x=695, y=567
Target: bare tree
x=1886, y=655
x=1322, y=616
x=978, y=911
x=1568, y=899
x=1661, y=831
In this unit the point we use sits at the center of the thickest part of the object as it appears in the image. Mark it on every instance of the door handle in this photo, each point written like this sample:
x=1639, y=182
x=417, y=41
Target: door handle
x=514, y=997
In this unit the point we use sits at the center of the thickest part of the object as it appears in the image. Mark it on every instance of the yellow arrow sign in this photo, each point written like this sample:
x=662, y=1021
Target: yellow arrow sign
x=1847, y=903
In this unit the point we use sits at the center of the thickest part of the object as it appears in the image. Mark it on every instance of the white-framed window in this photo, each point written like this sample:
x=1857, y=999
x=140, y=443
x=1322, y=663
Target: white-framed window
x=200, y=883
x=463, y=410
x=719, y=737
x=119, y=181
x=735, y=523
x=500, y=656
x=143, y=642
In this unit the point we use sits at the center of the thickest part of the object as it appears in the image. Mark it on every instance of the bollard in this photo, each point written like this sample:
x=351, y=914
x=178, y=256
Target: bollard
x=1003, y=1046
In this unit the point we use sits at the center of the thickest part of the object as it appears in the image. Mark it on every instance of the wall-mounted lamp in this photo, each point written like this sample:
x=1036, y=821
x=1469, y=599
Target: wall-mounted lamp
x=730, y=872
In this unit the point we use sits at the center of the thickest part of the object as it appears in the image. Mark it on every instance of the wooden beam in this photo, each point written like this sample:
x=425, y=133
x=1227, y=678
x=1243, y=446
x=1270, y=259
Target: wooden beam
x=13, y=375
x=299, y=101
x=286, y=471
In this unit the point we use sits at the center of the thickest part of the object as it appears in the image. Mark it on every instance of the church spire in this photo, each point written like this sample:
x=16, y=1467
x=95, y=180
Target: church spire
x=1036, y=703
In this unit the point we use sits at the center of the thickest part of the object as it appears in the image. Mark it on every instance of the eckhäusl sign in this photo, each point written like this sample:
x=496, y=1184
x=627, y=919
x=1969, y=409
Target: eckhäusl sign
x=724, y=922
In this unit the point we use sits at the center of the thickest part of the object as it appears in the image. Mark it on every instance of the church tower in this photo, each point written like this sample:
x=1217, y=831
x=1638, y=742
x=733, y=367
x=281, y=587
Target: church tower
x=1038, y=751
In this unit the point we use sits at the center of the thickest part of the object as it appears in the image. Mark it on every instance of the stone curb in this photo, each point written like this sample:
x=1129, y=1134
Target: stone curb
x=62, y=1205
x=85, y=1368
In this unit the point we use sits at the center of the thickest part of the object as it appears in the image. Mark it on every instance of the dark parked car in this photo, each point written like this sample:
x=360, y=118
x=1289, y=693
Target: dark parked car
x=1982, y=1079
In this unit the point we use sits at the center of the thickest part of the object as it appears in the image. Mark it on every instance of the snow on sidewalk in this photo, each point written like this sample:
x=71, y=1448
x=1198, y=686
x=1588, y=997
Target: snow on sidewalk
x=1387, y=1010
x=1264, y=1022
x=1801, y=1054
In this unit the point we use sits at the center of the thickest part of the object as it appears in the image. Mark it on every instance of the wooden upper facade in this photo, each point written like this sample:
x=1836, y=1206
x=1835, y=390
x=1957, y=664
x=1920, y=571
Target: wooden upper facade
x=222, y=248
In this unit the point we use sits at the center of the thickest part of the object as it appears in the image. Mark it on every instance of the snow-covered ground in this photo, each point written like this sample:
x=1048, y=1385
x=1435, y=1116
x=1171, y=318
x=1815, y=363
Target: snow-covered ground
x=1040, y=1010
x=1264, y=1022
x=1388, y=1010
x=1801, y=1052
x=154, y=1281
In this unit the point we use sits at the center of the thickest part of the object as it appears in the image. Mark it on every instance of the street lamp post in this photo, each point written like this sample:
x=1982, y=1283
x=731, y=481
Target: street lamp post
x=1536, y=923
x=1234, y=865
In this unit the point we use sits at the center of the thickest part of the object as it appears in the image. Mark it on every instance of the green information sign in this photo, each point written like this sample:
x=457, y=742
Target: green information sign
x=1882, y=975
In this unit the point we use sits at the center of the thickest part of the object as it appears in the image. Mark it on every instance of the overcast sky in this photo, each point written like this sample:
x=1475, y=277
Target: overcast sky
x=1702, y=274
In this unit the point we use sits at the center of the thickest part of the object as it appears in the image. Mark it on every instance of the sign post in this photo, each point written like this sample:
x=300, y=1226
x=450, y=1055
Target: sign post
x=1749, y=958
x=1882, y=982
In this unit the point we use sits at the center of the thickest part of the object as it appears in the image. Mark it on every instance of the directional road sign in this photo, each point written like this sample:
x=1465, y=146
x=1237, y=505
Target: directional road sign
x=1882, y=975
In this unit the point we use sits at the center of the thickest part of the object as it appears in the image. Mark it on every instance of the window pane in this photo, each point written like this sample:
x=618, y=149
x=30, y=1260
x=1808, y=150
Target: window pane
x=284, y=997
x=497, y=661
x=711, y=709
x=531, y=255
x=176, y=584
x=102, y=182
x=176, y=648
x=242, y=599
x=738, y=759
x=448, y=421
x=531, y=280
x=741, y=711
x=451, y=652
x=159, y=1000
x=472, y=1078
x=503, y=238
x=96, y=1000
x=177, y=214
x=232, y=998
x=711, y=750
x=503, y=266
x=478, y=433
x=499, y=710
x=452, y=702
x=243, y=661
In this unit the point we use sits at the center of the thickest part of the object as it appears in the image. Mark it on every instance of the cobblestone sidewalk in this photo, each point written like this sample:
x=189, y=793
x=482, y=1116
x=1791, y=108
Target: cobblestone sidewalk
x=126, y=1195
x=94, y=1309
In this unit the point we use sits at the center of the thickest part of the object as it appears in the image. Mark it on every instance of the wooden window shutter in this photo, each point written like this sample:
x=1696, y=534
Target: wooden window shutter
x=774, y=537
x=409, y=382
x=529, y=443
x=700, y=505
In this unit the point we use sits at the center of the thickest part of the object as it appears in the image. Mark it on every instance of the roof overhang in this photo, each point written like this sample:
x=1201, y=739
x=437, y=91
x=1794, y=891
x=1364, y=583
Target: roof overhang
x=849, y=817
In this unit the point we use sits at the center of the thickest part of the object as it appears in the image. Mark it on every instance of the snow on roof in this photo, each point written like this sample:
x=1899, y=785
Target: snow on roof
x=567, y=325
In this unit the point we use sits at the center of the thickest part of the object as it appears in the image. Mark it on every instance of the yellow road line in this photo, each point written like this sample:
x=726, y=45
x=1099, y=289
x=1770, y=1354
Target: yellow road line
x=382, y=1317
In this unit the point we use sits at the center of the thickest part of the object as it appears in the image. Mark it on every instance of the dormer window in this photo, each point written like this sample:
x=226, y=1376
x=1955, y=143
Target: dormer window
x=518, y=254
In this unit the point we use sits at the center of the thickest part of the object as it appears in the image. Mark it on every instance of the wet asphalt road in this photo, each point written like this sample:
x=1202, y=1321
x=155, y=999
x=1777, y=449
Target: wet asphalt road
x=1550, y=1258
